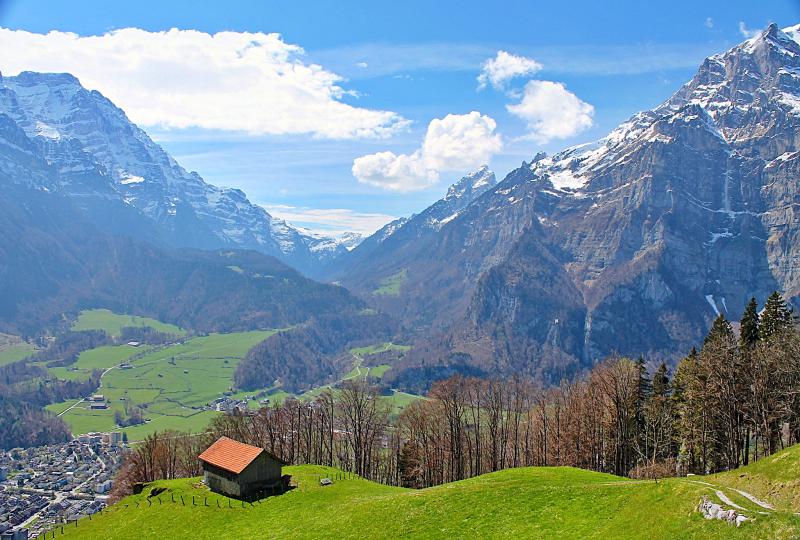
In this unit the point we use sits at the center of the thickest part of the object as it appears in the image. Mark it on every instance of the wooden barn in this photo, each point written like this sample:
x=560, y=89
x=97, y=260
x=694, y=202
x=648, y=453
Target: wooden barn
x=239, y=470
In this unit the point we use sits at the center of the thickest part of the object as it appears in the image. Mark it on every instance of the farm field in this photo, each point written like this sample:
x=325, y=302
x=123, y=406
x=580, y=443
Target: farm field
x=171, y=384
x=113, y=323
x=100, y=358
x=379, y=348
x=13, y=350
x=556, y=502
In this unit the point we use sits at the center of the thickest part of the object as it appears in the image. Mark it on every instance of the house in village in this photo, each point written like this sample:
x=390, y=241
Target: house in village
x=239, y=470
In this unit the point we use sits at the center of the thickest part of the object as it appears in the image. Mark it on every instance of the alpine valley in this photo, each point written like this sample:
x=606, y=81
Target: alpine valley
x=631, y=244
x=603, y=342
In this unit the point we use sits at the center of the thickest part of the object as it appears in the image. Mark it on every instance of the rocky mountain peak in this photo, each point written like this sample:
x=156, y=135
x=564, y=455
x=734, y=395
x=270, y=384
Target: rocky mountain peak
x=32, y=78
x=472, y=185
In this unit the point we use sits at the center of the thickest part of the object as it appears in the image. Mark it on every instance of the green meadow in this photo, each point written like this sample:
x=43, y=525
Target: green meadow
x=14, y=352
x=100, y=358
x=113, y=323
x=536, y=502
x=173, y=384
x=170, y=384
x=397, y=400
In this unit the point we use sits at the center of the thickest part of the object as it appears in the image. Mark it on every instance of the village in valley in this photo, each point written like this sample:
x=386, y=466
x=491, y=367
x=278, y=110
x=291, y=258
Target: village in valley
x=44, y=487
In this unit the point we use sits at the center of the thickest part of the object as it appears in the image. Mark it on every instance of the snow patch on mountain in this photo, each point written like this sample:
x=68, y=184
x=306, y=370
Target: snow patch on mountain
x=128, y=179
x=47, y=131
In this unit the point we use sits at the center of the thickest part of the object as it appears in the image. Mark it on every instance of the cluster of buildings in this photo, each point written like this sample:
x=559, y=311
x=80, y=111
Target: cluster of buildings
x=229, y=404
x=43, y=487
x=97, y=402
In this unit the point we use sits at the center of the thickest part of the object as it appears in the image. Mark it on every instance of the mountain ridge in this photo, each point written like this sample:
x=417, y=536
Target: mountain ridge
x=631, y=244
x=86, y=138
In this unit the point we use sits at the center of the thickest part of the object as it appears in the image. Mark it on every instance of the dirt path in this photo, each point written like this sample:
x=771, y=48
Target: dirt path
x=725, y=499
x=759, y=502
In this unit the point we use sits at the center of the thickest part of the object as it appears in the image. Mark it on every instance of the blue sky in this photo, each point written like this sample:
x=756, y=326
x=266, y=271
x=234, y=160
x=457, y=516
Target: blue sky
x=581, y=68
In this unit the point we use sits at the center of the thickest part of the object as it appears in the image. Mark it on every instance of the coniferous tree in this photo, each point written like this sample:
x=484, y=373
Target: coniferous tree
x=749, y=336
x=661, y=381
x=720, y=329
x=659, y=416
x=726, y=392
x=776, y=317
x=749, y=332
x=690, y=416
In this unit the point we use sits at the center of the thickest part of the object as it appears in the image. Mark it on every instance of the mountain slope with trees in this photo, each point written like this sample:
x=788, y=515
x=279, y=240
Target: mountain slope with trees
x=56, y=262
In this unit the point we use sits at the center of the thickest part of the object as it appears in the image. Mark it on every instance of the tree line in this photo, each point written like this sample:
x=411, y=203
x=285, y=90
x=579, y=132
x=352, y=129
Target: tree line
x=735, y=400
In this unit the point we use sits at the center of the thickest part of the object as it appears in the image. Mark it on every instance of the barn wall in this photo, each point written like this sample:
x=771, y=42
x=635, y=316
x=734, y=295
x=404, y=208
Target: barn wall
x=263, y=472
x=221, y=481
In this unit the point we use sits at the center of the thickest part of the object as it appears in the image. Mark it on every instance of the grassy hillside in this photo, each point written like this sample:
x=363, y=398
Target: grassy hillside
x=113, y=323
x=171, y=384
x=391, y=285
x=14, y=351
x=557, y=502
x=775, y=479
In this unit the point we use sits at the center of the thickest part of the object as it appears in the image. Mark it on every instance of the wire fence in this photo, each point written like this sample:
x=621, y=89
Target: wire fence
x=216, y=501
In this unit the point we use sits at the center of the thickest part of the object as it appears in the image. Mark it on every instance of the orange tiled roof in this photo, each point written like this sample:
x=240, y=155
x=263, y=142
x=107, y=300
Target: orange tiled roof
x=230, y=455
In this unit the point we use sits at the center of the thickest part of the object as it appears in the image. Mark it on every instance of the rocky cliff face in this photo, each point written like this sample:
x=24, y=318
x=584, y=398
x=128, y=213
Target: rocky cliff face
x=97, y=157
x=631, y=244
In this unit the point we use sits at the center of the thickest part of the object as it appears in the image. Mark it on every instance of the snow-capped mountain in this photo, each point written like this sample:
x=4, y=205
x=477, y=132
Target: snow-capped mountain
x=94, y=151
x=631, y=244
x=410, y=233
x=330, y=247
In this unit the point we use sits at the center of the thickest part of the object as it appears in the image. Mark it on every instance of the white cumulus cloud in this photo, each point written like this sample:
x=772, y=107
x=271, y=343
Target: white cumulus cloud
x=504, y=67
x=455, y=142
x=746, y=32
x=404, y=172
x=551, y=111
x=240, y=81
